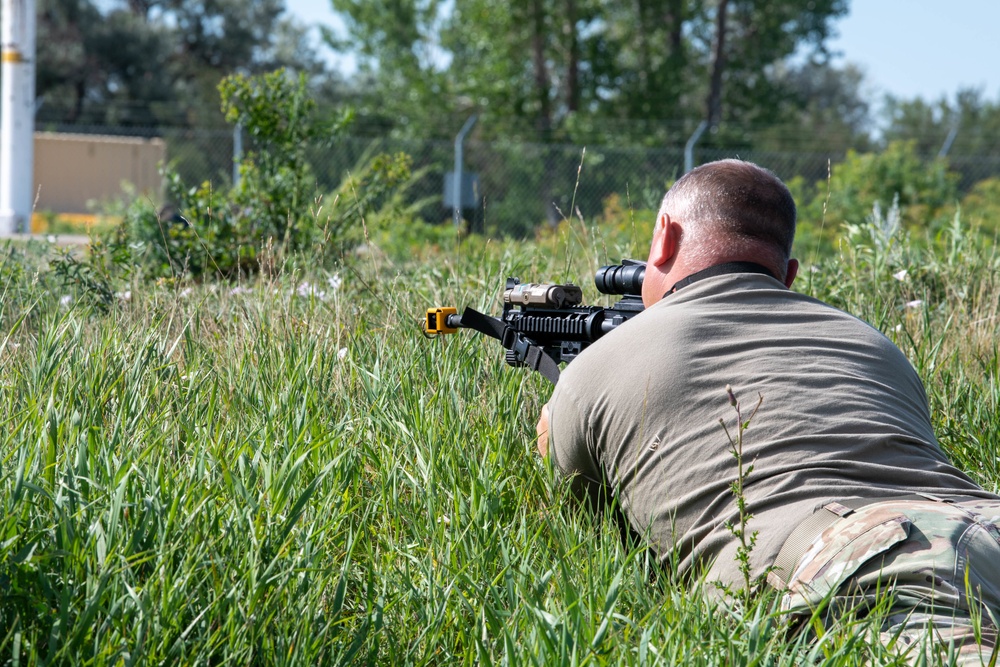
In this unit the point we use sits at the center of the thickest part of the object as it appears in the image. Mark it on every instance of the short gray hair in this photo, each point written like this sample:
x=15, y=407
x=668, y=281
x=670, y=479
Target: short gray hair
x=738, y=201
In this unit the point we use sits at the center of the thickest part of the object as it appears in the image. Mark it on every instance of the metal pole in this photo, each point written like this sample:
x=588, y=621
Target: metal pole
x=949, y=140
x=689, y=146
x=237, y=152
x=459, y=142
x=17, y=108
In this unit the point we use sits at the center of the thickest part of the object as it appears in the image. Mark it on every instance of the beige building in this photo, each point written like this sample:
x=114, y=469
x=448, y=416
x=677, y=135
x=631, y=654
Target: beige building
x=72, y=170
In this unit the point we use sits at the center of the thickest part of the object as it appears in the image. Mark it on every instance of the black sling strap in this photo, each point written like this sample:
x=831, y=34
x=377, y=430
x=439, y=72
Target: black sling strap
x=532, y=356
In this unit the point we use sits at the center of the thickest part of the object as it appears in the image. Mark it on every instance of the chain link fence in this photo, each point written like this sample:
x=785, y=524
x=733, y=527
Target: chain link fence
x=522, y=185
x=518, y=185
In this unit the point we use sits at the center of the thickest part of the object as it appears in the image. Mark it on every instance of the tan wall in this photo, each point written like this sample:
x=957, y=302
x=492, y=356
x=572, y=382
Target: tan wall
x=73, y=169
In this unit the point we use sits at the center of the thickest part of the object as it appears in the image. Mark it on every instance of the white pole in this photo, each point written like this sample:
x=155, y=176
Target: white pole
x=17, y=116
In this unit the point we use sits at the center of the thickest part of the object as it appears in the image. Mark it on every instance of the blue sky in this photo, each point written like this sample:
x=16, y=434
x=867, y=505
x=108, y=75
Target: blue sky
x=908, y=48
x=925, y=48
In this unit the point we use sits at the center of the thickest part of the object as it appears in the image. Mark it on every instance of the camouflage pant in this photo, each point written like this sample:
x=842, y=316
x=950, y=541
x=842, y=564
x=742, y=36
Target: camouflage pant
x=935, y=566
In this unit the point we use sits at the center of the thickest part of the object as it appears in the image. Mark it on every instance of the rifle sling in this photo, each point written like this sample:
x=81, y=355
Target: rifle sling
x=535, y=357
x=484, y=324
x=537, y=360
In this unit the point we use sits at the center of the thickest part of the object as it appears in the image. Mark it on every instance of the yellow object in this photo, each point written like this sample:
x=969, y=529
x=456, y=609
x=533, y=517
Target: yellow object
x=11, y=56
x=69, y=222
x=437, y=320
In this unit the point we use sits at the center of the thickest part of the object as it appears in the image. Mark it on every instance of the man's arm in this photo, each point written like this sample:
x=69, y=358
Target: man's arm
x=572, y=455
x=564, y=436
x=542, y=429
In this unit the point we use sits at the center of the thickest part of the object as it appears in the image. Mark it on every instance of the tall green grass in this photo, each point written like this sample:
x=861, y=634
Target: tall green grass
x=275, y=473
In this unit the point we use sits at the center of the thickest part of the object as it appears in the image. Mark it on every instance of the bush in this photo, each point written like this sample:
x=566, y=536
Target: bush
x=980, y=208
x=924, y=191
x=273, y=206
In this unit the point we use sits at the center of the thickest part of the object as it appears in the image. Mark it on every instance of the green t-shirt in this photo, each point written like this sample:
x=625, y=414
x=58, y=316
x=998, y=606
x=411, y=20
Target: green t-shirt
x=844, y=415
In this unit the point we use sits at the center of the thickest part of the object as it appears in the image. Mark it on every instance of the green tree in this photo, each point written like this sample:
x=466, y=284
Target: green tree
x=976, y=122
x=157, y=62
x=557, y=69
x=400, y=79
x=749, y=40
x=557, y=72
x=823, y=110
x=93, y=68
x=967, y=128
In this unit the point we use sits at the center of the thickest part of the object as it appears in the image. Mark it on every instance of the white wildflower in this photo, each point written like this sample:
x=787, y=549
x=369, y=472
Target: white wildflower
x=240, y=290
x=334, y=282
x=306, y=290
x=51, y=238
x=65, y=301
x=342, y=353
x=900, y=275
x=186, y=292
x=124, y=296
x=916, y=303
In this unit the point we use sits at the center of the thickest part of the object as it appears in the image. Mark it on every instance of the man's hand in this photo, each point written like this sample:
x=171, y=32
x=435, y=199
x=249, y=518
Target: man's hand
x=542, y=429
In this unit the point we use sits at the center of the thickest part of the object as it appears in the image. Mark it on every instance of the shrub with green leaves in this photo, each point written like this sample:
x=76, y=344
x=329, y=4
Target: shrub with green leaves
x=273, y=211
x=276, y=181
x=925, y=191
x=981, y=207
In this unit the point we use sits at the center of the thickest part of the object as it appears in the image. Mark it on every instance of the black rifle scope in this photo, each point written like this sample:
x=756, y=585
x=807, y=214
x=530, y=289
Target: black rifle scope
x=624, y=278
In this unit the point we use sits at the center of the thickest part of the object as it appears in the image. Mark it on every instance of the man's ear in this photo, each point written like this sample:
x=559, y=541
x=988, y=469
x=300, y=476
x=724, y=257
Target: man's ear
x=664, y=244
x=791, y=272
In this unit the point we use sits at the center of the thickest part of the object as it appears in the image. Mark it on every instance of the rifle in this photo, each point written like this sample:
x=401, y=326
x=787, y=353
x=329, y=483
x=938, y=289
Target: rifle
x=543, y=325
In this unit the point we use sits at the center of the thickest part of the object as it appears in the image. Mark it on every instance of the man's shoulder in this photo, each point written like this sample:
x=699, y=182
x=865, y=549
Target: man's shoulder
x=625, y=355
x=708, y=315
x=745, y=296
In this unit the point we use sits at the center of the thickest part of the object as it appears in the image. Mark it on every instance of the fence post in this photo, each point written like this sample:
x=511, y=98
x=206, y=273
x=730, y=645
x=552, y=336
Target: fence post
x=459, y=142
x=17, y=107
x=949, y=140
x=689, y=146
x=237, y=152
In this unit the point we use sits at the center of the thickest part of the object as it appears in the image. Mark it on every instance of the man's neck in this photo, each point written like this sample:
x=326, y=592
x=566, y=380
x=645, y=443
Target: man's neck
x=721, y=270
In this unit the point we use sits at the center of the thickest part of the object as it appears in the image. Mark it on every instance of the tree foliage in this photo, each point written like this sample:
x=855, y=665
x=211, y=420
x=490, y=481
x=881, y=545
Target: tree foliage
x=822, y=111
x=146, y=63
x=553, y=70
x=975, y=121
